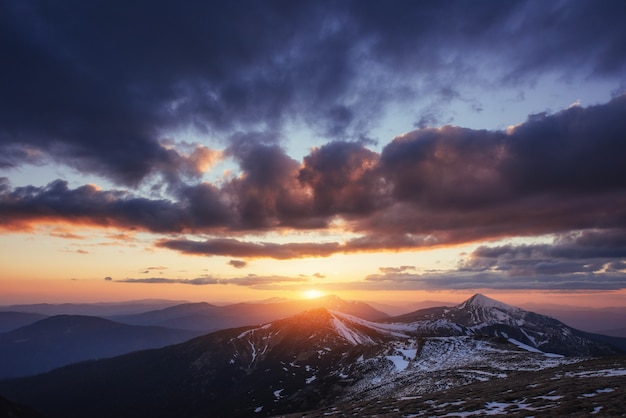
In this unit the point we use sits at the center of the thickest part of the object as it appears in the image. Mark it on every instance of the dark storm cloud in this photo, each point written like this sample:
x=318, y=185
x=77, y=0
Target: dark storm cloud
x=550, y=174
x=430, y=187
x=93, y=85
x=342, y=178
x=236, y=248
x=590, y=250
x=267, y=194
x=88, y=205
x=589, y=260
x=471, y=281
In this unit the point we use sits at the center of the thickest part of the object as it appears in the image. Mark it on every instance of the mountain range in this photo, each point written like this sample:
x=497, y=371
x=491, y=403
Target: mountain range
x=207, y=317
x=320, y=358
x=64, y=339
x=59, y=340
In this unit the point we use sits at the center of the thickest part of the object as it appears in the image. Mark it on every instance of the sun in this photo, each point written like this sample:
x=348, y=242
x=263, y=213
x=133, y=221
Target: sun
x=312, y=294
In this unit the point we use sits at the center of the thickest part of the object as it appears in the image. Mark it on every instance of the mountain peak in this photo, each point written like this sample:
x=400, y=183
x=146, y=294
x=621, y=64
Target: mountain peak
x=481, y=301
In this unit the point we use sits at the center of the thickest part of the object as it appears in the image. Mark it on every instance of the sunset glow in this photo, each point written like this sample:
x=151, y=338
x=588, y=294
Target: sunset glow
x=312, y=294
x=388, y=153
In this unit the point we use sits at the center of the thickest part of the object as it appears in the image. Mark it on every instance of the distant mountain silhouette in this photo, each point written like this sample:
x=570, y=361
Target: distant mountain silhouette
x=13, y=320
x=101, y=309
x=64, y=339
x=594, y=320
x=207, y=317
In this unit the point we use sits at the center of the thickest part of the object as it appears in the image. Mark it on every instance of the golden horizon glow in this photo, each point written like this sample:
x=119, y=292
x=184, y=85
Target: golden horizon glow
x=312, y=294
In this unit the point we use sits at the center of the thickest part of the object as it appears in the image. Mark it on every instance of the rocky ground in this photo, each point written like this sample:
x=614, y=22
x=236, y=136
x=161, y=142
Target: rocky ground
x=587, y=388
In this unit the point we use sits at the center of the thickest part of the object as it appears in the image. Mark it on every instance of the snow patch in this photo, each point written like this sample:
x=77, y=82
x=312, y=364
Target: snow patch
x=598, y=391
x=532, y=349
x=399, y=362
x=251, y=331
x=352, y=336
x=530, y=338
x=310, y=379
x=596, y=373
x=409, y=353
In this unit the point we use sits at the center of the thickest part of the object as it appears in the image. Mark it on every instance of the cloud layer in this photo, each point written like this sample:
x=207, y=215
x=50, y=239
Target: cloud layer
x=115, y=91
x=551, y=174
x=97, y=85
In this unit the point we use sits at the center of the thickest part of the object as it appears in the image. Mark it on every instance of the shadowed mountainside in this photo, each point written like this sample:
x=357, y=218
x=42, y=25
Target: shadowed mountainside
x=64, y=339
x=14, y=320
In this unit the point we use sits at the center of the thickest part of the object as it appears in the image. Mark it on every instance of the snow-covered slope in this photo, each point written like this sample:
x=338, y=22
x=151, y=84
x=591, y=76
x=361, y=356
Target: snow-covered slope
x=483, y=316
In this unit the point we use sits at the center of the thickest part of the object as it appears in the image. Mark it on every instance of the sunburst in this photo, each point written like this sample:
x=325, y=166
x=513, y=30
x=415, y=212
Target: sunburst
x=312, y=294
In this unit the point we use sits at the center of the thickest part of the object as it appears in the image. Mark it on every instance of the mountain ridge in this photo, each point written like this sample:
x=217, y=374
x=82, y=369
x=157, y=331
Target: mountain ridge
x=60, y=340
x=480, y=315
x=312, y=359
x=207, y=317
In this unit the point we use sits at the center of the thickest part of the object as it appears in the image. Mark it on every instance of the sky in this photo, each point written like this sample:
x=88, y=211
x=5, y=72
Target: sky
x=241, y=150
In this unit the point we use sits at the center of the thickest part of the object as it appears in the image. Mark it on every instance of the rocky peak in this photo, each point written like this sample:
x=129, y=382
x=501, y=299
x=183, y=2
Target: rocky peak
x=483, y=302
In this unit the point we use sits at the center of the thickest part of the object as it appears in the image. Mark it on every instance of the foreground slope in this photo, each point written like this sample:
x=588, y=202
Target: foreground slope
x=64, y=339
x=594, y=387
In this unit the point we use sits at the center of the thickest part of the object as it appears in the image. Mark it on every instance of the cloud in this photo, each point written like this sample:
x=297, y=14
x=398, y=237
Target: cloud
x=250, y=280
x=89, y=205
x=429, y=187
x=267, y=194
x=342, y=177
x=236, y=248
x=98, y=95
x=587, y=260
x=238, y=264
x=390, y=270
x=591, y=251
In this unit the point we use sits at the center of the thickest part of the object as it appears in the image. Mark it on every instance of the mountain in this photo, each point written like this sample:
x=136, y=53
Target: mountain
x=290, y=363
x=93, y=309
x=13, y=320
x=10, y=409
x=594, y=320
x=483, y=316
x=399, y=307
x=64, y=339
x=320, y=358
x=615, y=332
x=206, y=317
